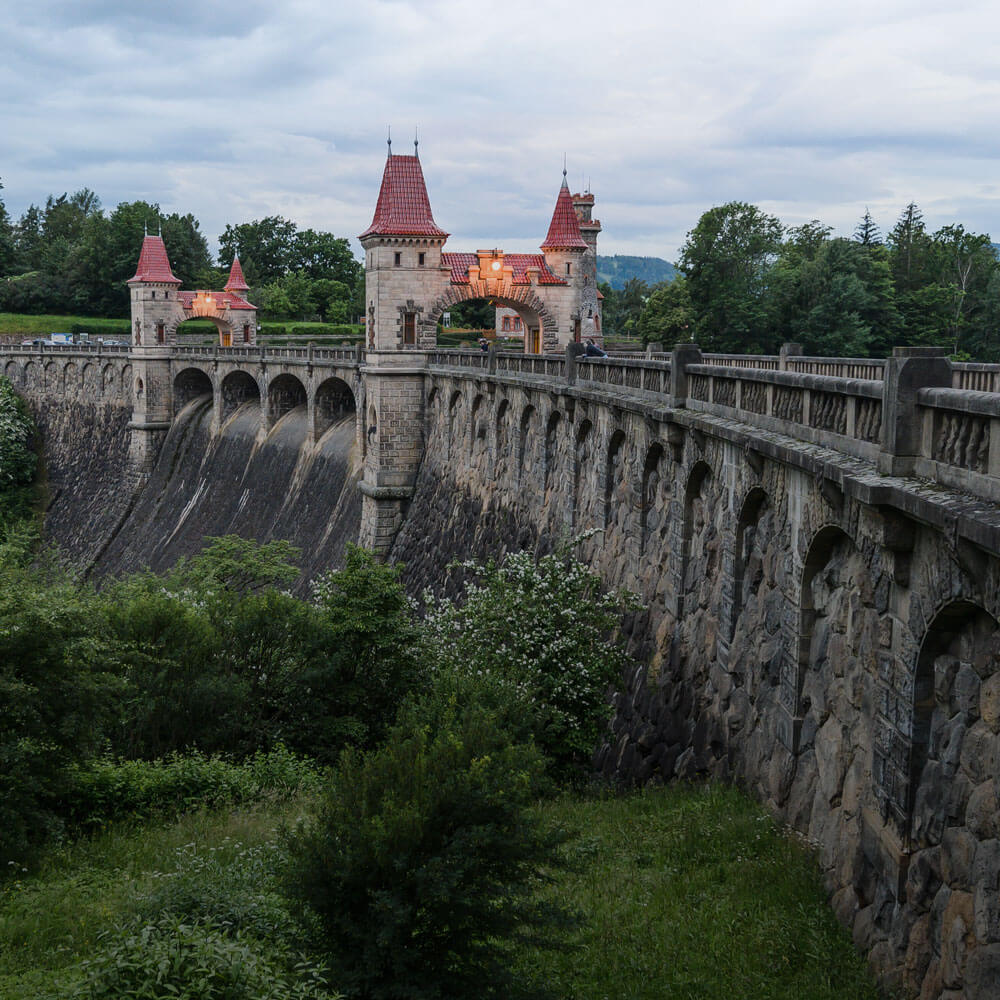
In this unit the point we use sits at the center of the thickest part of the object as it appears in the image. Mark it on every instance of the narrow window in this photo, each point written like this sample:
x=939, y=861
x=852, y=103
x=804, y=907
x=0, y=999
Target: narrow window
x=397, y=262
x=517, y=322
x=420, y=259
x=246, y=333
x=506, y=323
x=576, y=330
x=154, y=294
x=409, y=328
x=161, y=335
x=569, y=268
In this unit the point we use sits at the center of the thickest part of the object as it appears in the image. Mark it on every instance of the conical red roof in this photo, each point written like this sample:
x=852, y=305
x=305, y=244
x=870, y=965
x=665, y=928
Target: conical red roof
x=403, y=207
x=153, y=263
x=236, y=282
x=564, y=229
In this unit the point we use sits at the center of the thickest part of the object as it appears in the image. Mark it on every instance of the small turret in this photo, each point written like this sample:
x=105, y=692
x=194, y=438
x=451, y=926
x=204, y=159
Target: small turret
x=237, y=283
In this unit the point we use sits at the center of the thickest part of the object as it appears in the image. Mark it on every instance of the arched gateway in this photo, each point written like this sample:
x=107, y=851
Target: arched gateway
x=159, y=307
x=410, y=280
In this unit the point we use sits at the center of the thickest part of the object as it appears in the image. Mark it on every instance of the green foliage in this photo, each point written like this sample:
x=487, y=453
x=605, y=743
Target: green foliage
x=18, y=460
x=616, y=270
x=541, y=630
x=667, y=316
x=421, y=863
x=373, y=656
x=239, y=565
x=727, y=258
x=108, y=790
x=176, y=960
x=56, y=685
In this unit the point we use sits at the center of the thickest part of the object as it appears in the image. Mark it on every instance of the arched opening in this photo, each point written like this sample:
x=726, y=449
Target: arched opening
x=696, y=521
x=88, y=379
x=581, y=461
x=551, y=447
x=653, y=499
x=238, y=389
x=284, y=393
x=613, y=475
x=748, y=568
x=108, y=380
x=500, y=432
x=190, y=384
x=959, y=650
x=70, y=380
x=526, y=439
x=334, y=402
x=454, y=407
x=10, y=370
x=201, y=331
x=477, y=427
x=527, y=320
x=53, y=377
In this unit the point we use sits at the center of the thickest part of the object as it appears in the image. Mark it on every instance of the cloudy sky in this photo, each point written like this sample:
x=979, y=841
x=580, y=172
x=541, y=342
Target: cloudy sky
x=235, y=111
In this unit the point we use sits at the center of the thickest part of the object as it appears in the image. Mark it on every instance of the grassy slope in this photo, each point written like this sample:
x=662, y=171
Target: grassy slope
x=687, y=894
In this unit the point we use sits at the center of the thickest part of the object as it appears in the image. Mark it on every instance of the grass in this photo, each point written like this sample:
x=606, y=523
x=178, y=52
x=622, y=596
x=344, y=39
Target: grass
x=23, y=326
x=694, y=894
x=687, y=893
x=51, y=919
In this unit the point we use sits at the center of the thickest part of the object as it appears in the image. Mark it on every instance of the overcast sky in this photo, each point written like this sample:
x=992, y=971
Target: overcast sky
x=237, y=111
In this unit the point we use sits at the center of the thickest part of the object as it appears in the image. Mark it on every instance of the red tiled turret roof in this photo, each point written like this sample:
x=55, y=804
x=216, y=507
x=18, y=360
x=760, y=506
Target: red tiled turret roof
x=520, y=262
x=564, y=229
x=153, y=263
x=236, y=282
x=403, y=208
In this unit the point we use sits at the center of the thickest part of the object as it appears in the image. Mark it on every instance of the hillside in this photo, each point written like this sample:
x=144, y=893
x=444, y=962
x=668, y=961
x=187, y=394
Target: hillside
x=618, y=269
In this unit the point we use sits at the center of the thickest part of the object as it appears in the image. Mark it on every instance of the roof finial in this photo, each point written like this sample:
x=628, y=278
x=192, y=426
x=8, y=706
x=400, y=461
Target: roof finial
x=416, y=142
x=159, y=227
x=145, y=228
x=388, y=138
x=564, y=166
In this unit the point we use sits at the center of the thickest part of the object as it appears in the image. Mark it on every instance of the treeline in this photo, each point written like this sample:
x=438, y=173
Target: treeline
x=748, y=284
x=71, y=256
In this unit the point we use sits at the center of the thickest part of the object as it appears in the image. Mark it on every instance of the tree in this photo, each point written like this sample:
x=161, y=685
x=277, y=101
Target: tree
x=266, y=248
x=8, y=250
x=727, y=259
x=28, y=239
x=667, y=315
x=967, y=263
x=867, y=232
x=323, y=255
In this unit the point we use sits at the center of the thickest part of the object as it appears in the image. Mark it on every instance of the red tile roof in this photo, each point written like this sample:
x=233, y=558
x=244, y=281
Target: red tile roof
x=153, y=263
x=403, y=208
x=223, y=300
x=520, y=262
x=564, y=229
x=236, y=282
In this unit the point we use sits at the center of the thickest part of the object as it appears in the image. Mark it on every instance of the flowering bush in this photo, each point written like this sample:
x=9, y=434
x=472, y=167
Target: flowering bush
x=542, y=633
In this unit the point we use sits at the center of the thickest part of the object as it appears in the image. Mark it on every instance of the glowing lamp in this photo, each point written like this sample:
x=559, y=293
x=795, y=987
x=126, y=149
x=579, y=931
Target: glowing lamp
x=495, y=265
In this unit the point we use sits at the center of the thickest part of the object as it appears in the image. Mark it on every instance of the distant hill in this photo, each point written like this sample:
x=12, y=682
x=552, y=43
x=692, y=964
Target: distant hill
x=618, y=269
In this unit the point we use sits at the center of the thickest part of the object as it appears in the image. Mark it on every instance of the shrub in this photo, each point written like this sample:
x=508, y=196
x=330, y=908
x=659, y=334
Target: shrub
x=18, y=460
x=421, y=862
x=541, y=631
x=177, y=960
x=112, y=790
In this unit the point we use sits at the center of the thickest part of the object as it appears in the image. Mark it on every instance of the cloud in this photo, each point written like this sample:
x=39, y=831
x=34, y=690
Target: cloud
x=809, y=109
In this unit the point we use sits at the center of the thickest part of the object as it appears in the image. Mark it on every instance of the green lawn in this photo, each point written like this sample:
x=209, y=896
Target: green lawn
x=691, y=894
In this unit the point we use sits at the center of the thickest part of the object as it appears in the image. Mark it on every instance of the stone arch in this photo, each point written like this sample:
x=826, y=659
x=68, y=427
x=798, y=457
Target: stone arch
x=551, y=447
x=12, y=372
x=693, y=523
x=191, y=384
x=523, y=299
x=88, y=380
x=500, y=431
x=525, y=438
x=334, y=400
x=125, y=391
x=454, y=408
x=285, y=393
x=834, y=593
x=52, y=377
x=29, y=373
x=70, y=377
x=747, y=567
x=613, y=472
x=477, y=425
x=582, y=445
x=108, y=380
x=958, y=653
x=223, y=327
x=238, y=388
x=652, y=513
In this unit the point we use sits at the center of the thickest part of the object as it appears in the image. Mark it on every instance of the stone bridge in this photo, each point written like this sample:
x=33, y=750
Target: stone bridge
x=817, y=541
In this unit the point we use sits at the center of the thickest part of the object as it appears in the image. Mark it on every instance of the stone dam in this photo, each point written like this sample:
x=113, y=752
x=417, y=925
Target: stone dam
x=816, y=540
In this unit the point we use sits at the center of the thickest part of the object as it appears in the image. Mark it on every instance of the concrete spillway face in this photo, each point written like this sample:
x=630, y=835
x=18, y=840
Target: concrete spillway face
x=278, y=486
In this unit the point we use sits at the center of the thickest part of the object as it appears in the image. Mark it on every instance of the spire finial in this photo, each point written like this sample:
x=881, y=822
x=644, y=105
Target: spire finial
x=388, y=138
x=416, y=142
x=145, y=228
x=564, y=166
x=159, y=228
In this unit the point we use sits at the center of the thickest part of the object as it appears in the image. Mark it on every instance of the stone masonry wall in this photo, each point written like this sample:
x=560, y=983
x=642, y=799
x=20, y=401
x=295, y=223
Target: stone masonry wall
x=795, y=640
